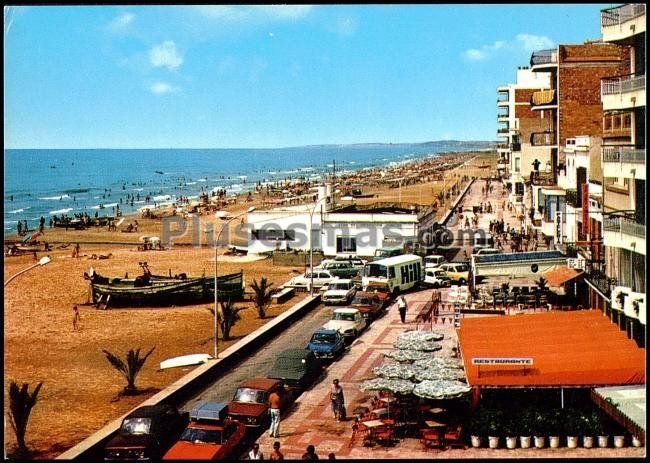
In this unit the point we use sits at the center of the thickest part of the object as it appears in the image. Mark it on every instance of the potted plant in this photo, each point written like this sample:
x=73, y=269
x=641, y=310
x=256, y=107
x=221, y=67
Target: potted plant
x=525, y=423
x=554, y=428
x=477, y=427
x=598, y=428
x=636, y=442
x=573, y=426
x=509, y=429
x=540, y=427
x=590, y=426
x=494, y=427
x=619, y=441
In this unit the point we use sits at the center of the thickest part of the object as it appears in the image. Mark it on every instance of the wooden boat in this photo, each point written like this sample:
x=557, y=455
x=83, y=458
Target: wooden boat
x=161, y=290
x=184, y=361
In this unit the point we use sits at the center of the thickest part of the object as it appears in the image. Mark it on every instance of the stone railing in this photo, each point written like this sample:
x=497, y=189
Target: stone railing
x=623, y=154
x=622, y=84
x=624, y=225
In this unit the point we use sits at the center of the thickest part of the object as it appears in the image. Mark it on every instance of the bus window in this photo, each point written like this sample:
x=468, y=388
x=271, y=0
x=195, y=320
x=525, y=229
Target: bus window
x=373, y=270
x=391, y=272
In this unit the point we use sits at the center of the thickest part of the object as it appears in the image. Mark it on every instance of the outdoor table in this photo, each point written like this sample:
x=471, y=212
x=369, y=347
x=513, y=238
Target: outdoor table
x=434, y=424
x=376, y=427
x=373, y=423
x=380, y=411
x=388, y=400
x=436, y=410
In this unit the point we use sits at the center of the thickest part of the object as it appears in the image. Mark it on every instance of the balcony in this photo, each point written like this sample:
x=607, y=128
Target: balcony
x=622, y=22
x=624, y=233
x=543, y=59
x=624, y=225
x=502, y=103
x=503, y=117
x=543, y=138
x=622, y=92
x=618, y=125
x=624, y=161
x=516, y=147
x=544, y=99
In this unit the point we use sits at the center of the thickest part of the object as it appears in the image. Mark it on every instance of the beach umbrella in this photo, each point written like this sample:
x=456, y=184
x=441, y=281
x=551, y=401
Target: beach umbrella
x=406, y=355
x=433, y=374
x=421, y=336
x=440, y=389
x=416, y=344
x=437, y=362
x=394, y=385
x=395, y=370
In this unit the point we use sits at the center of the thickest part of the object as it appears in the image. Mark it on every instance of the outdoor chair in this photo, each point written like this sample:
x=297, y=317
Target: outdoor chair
x=359, y=432
x=431, y=438
x=452, y=437
x=384, y=436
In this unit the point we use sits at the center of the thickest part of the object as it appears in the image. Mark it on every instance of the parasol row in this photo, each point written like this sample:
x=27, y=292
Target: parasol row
x=394, y=385
x=440, y=389
x=407, y=355
x=420, y=336
x=416, y=344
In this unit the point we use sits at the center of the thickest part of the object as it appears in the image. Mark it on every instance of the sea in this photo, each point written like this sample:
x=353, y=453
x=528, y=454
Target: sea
x=47, y=182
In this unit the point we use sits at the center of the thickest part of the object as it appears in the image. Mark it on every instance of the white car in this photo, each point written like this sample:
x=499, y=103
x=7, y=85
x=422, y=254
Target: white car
x=348, y=321
x=436, y=277
x=321, y=278
x=339, y=291
x=433, y=261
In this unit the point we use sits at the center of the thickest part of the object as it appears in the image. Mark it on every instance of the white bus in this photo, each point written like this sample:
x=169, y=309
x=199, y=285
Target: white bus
x=399, y=272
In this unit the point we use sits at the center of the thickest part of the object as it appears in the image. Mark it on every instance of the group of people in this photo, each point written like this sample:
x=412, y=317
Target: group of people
x=276, y=453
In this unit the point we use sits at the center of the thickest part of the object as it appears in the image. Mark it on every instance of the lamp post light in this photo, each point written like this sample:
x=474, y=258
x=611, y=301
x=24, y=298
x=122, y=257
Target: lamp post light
x=311, y=247
x=44, y=260
x=224, y=216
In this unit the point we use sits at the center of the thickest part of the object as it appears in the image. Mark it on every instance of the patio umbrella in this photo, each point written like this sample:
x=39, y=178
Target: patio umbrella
x=394, y=385
x=421, y=336
x=415, y=344
x=437, y=362
x=406, y=355
x=440, y=389
x=395, y=370
x=449, y=374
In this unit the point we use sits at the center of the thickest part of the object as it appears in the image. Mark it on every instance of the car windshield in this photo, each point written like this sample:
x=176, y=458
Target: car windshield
x=343, y=316
x=343, y=286
x=136, y=426
x=206, y=436
x=322, y=338
x=374, y=270
x=245, y=394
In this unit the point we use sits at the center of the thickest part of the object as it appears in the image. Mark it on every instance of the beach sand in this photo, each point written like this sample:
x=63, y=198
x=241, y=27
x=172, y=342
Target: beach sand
x=80, y=391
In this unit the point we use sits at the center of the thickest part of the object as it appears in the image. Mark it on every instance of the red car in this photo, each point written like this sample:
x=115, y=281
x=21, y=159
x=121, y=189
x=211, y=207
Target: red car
x=250, y=403
x=369, y=304
x=209, y=436
x=381, y=290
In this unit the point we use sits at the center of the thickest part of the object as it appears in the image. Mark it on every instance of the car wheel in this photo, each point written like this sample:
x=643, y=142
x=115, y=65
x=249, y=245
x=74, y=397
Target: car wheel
x=462, y=281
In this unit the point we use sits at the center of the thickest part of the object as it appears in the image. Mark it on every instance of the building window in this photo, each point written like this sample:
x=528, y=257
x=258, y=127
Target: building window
x=346, y=244
x=517, y=164
x=273, y=234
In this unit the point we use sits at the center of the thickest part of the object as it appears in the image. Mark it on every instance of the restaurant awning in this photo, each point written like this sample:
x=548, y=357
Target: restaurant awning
x=551, y=349
x=561, y=275
x=630, y=408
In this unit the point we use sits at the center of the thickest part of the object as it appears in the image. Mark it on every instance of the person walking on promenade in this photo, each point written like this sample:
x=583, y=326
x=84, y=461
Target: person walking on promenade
x=402, y=307
x=310, y=454
x=338, y=400
x=76, y=318
x=276, y=454
x=255, y=453
x=274, y=410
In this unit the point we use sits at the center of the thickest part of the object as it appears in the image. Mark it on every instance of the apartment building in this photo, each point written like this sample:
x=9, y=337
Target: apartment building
x=624, y=170
x=516, y=156
x=570, y=110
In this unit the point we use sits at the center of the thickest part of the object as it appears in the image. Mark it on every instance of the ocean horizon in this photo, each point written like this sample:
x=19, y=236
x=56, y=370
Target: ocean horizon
x=44, y=182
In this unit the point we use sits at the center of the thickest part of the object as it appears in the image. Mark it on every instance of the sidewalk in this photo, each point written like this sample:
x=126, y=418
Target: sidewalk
x=311, y=420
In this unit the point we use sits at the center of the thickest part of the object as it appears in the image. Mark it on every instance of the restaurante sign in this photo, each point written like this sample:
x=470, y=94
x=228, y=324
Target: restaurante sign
x=502, y=361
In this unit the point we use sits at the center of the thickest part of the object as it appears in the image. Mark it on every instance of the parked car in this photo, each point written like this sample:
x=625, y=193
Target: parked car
x=326, y=344
x=339, y=291
x=437, y=278
x=297, y=369
x=146, y=433
x=382, y=290
x=369, y=304
x=356, y=261
x=321, y=278
x=348, y=321
x=383, y=253
x=340, y=268
x=210, y=435
x=433, y=260
x=250, y=402
x=458, y=272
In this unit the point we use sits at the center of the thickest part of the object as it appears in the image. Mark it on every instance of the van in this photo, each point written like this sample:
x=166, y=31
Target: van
x=458, y=272
x=433, y=260
x=400, y=273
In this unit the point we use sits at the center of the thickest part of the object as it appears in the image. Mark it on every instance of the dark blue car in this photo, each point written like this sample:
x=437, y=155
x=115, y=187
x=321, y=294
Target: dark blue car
x=326, y=344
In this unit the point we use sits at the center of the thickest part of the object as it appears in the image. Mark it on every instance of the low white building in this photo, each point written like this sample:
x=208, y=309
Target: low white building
x=350, y=229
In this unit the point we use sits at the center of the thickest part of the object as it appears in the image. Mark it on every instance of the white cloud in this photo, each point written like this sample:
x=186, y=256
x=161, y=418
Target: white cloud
x=484, y=52
x=530, y=42
x=121, y=23
x=265, y=13
x=165, y=55
x=285, y=11
x=271, y=34
x=160, y=88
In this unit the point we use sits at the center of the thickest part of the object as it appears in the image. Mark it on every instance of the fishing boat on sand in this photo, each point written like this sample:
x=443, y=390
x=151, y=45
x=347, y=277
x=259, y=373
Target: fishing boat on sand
x=149, y=289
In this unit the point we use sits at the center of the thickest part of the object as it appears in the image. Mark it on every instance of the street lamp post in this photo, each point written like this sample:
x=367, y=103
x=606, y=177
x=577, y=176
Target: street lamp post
x=311, y=247
x=44, y=260
x=222, y=215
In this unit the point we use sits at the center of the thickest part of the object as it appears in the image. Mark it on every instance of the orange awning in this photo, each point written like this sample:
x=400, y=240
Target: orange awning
x=561, y=275
x=581, y=348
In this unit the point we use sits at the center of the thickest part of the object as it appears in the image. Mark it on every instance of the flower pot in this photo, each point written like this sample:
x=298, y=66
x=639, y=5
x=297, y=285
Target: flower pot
x=603, y=441
x=511, y=442
x=554, y=441
x=572, y=441
x=636, y=442
x=619, y=441
x=587, y=442
x=525, y=442
x=476, y=441
x=540, y=442
x=493, y=442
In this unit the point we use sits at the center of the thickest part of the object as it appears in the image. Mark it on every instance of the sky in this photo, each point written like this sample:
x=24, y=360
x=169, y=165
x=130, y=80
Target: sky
x=268, y=76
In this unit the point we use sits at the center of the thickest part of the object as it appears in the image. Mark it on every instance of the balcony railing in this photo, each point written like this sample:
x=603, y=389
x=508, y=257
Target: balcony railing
x=501, y=116
x=543, y=97
x=624, y=225
x=623, y=154
x=617, y=16
x=543, y=138
x=503, y=130
x=544, y=57
x=622, y=84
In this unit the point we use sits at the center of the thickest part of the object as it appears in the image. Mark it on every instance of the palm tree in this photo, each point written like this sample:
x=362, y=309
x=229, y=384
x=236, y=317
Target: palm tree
x=130, y=369
x=21, y=403
x=440, y=197
x=227, y=317
x=262, y=295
